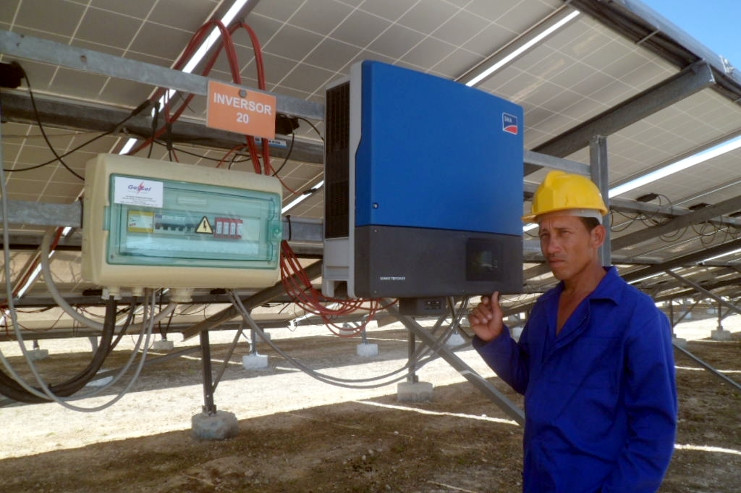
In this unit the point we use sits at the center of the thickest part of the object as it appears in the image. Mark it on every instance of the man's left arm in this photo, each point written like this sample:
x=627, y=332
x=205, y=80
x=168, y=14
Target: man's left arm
x=651, y=404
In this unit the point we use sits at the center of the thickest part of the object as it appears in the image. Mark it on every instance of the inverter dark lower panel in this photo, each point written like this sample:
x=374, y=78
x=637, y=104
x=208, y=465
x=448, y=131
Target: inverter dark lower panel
x=417, y=262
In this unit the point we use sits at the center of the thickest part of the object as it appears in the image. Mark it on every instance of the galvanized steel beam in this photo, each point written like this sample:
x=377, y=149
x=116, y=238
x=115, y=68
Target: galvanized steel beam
x=544, y=160
x=598, y=165
x=63, y=113
x=690, y=259
x=16, y=45
x=42, y=214
x=704, y=291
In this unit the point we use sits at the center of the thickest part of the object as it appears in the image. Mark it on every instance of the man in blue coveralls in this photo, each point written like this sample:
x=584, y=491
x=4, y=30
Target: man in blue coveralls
x=594, y=361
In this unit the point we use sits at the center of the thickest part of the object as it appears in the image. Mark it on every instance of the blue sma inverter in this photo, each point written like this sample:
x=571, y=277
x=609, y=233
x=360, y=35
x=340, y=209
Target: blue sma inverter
x=423, y=187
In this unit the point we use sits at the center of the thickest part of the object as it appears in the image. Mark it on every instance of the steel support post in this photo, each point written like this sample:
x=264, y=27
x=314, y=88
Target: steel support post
x=598, y=171
x=686, y=312
x=228, y=357
x=720, y=316
x=253, y=340
x=412, y=347
x=533, y=158
x=453, y=360
x=208, y=389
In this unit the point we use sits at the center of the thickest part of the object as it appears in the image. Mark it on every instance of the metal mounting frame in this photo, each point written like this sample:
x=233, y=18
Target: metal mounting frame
x=46, y=51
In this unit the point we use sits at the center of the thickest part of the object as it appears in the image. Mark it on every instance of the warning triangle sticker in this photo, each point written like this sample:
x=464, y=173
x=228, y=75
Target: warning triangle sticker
x=204, y=227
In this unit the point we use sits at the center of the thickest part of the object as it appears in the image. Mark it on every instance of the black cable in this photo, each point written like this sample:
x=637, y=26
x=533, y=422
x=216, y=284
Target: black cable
x=201, y=156
x=155, y=118
x=51, y=161
x=168, y=140
x=312, y=126
x=163, y=331
x=41, y=126
x=12, y=389
x=622, y=227
x=288, y=156
x=126, y=324
x=104, y=349
x=58, y=157
x=237, y=154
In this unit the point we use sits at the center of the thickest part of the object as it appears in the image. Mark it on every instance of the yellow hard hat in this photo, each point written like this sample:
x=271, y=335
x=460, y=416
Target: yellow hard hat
x=561, y=191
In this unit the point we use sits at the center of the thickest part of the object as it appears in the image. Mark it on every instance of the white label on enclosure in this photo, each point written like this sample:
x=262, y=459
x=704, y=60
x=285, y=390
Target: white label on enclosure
x=138, y=191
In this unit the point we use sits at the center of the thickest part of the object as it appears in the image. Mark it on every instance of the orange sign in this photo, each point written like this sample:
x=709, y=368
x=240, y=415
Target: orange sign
x=236, y=109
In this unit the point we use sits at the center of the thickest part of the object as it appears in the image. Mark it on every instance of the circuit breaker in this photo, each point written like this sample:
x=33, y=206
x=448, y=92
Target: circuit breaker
x=149, y=223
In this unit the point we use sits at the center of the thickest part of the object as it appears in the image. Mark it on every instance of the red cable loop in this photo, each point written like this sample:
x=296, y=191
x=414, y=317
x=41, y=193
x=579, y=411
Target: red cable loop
x=226, y=44
x=293, y=276
x=299, y=288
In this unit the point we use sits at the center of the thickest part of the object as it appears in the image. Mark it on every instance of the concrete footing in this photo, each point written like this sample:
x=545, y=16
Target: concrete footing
x=367, y=350
x=265, y=336
x=414, y=392
x=455, y=340
x=516, y=332
x=99, y=382
x=163, y=345
x=219, y=426
x=679, y=342
x=720, y=335
x=255, y=361
x=38, y=354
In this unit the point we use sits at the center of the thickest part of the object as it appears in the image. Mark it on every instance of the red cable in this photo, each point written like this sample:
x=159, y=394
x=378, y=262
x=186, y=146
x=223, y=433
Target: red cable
x=226, y=44
x=299, y=287
x=257, y=49
x=293, y=276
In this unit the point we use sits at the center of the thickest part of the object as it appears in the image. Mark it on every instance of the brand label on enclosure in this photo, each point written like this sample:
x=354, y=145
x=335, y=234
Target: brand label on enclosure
x=238, y=110
x=509, y=124
x=137, y=191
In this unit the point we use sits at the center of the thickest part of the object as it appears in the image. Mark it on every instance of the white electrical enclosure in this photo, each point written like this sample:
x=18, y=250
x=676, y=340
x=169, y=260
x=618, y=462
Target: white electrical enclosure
x=152, y=224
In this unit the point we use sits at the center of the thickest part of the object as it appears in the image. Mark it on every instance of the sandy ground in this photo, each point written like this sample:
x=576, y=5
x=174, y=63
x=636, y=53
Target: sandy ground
x=168, y=394
x=299, y=434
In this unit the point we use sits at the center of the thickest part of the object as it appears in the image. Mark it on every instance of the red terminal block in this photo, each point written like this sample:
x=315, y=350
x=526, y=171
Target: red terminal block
x=227, y=228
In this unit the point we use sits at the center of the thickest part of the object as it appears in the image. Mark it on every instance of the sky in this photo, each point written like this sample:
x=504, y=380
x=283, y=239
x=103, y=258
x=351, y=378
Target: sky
x=714, y=23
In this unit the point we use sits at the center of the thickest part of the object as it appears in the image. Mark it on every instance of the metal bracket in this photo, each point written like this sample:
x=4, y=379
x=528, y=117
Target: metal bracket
x=453, y=360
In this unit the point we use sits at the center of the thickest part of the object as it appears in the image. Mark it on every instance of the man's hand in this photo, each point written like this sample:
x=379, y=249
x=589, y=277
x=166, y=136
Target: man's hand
x=486, y=318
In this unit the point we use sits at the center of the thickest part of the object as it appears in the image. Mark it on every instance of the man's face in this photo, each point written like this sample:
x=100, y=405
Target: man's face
x=567, y=245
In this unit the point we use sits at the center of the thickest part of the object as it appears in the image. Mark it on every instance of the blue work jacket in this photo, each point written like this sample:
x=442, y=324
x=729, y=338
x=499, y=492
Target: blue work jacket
x=600, y=397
